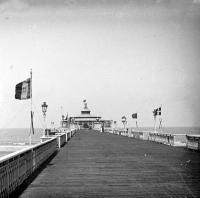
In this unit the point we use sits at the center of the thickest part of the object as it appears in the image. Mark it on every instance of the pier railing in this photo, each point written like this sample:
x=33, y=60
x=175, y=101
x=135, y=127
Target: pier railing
x=168, y=138
x=68, y=131
x=163, y=138
x=193, y=142
x=60, y=137
x=16, y=167
x=143, y=135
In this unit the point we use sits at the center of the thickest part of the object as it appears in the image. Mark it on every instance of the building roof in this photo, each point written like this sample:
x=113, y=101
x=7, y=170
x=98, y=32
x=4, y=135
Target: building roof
x=85, y=114
x=86, y=119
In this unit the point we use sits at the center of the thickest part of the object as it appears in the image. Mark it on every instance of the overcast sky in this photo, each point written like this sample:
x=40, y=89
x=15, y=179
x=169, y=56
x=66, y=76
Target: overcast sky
x=122, y=56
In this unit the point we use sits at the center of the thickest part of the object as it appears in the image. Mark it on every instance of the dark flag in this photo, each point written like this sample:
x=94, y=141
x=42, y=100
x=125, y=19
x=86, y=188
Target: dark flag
x=159, y=111
x=134, y=115
x=32, y=122
x=23, y=90
x=155, y=112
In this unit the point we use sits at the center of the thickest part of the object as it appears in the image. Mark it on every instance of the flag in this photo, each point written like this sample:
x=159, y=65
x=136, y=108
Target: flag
x=155, y=112
x=84, y=100
x=159, y=111
x=32, y=122
x=23, y=90
x=134, y=115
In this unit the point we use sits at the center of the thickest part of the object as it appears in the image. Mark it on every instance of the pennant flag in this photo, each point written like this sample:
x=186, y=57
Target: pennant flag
x=134, y=115
x=32, y=122
x=23, y=90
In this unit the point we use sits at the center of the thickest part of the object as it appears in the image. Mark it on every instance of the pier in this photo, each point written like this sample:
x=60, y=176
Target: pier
x=94, y=164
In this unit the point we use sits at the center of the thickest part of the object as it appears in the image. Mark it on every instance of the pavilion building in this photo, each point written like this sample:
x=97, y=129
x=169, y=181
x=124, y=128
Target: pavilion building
x=86, y=120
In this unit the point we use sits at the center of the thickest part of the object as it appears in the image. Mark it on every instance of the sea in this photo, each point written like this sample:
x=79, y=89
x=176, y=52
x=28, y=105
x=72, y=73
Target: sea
x=19, y=137
x=13, y=139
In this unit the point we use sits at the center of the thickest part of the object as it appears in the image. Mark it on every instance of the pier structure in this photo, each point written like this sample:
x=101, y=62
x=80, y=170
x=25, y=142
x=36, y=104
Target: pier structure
x=94, y=164
x=97, y=164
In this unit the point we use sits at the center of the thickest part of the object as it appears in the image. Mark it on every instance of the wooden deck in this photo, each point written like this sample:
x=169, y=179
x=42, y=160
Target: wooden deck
x=94, y=164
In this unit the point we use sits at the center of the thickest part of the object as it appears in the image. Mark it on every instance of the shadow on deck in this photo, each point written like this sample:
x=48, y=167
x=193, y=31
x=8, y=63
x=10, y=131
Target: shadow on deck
x=94, y=164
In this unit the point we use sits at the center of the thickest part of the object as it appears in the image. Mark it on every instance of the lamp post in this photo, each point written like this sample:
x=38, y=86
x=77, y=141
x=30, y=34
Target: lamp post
x=102, y=126
x=124, y=121
x=115, y=126
x=44, y=110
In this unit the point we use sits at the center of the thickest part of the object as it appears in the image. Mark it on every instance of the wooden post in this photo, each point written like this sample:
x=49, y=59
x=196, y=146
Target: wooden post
x=155, y=123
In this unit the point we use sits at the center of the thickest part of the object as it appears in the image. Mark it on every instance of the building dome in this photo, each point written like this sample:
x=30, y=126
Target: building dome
x=85, y=110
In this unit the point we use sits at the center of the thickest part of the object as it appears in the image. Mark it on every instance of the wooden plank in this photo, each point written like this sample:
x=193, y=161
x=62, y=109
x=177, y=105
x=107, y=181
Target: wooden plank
x=94, y=164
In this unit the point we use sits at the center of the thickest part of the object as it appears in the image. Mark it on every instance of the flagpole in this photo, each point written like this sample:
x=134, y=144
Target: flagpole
x=136, y=121
x=154, y=115
x=30, y=138
x=161, y=117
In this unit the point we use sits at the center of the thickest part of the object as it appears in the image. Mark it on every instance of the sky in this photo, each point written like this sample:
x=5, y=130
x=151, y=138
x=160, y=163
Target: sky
x=123, y=57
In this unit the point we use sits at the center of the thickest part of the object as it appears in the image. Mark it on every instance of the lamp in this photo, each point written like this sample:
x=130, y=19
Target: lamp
x=44, y=110
x=124, y=121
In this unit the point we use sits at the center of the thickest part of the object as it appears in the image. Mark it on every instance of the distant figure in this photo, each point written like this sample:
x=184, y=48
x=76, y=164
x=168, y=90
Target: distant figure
x=102, y=128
